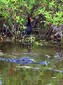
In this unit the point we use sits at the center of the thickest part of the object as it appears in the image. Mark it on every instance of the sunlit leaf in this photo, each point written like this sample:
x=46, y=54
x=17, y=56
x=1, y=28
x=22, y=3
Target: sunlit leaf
x=51, y=4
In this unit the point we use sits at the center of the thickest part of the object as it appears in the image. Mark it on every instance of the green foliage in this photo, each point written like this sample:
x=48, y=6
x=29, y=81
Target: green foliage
x=17, y=11
x=51, y=4
x=58, y=18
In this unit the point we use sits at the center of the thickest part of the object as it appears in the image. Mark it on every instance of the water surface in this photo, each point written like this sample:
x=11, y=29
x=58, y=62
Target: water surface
x=31, y=74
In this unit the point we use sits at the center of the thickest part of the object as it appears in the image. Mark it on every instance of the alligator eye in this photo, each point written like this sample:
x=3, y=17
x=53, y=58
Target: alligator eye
x=23, y=60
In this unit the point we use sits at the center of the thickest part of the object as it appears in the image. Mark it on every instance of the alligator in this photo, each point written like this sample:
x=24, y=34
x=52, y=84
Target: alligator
x=23, y=61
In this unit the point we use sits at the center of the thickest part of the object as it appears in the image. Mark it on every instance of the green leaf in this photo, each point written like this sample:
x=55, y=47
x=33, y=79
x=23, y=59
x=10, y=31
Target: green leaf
x=2, y=3
x=52, y=3
x=41, y=10
x=62, y=0
x=24, y=27
x=17, y=18
x=59, y=14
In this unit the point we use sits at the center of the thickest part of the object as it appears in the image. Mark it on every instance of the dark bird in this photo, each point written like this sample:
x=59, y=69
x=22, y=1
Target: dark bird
x=28, y=27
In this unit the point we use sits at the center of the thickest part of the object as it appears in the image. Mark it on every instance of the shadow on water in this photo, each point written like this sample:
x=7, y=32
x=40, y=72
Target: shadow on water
x=24, y=65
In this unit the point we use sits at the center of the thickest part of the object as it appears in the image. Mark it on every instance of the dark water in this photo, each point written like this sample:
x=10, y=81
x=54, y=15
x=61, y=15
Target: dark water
x=31, y=74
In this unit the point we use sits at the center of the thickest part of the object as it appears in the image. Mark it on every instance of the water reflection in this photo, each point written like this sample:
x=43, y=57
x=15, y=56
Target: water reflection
x=59, y=53
x=0, y=82
x=55, y=70
x=12, y=73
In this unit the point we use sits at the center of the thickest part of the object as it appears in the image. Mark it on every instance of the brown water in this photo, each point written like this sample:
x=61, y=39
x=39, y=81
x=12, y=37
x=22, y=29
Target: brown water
x=15, y=74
